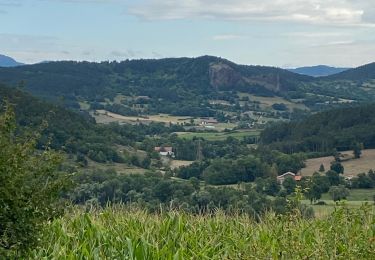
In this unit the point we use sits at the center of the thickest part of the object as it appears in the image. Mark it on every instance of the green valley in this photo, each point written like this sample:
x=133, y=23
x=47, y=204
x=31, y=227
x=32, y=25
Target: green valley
x=220, y=141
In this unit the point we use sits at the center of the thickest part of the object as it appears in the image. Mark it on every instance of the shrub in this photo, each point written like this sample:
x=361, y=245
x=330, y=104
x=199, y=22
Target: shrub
x=338, y=192
x=29, y=188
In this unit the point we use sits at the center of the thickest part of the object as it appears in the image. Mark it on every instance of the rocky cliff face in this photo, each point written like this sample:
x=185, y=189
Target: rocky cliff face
x=224, y=77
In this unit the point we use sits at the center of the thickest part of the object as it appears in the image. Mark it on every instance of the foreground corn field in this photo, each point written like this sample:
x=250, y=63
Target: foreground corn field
x=119, y=233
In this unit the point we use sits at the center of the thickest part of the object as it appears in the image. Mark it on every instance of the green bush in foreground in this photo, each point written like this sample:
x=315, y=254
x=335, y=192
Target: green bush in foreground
x=29, y=188
x=123, y=233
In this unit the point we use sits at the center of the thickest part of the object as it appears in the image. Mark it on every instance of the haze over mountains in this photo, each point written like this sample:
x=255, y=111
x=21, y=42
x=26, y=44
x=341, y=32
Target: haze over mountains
x=318, y=71
x=6, y=61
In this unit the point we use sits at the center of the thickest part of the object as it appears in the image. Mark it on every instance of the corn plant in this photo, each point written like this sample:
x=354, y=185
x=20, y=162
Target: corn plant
x=118, y=232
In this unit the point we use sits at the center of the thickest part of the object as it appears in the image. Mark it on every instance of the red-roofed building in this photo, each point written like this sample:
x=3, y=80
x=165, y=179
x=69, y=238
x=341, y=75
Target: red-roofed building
x=165, y=150
x=282, y=177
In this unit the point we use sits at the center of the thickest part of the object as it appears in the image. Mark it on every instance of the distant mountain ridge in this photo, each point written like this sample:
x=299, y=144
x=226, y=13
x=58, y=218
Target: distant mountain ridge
x=318, y=71
x=157, y=78
x=185, y=86
x=6, y=61
x=364, y=72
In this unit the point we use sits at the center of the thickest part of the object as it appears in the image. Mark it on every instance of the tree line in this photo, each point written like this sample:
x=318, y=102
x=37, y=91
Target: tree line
x=323, y=133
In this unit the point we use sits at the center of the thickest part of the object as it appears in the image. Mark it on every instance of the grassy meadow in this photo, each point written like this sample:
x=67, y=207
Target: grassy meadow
x=103, y=116
x=352, y=166
x=267, y=102
x=356, y=199
x=122, y=233
x=219, y=136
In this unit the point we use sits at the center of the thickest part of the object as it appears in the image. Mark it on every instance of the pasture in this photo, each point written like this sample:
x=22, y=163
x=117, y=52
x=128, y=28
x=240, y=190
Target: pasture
x=103, y=116
x=267, y=102
x=355, y=200
x=351, y=167
x=219, y=136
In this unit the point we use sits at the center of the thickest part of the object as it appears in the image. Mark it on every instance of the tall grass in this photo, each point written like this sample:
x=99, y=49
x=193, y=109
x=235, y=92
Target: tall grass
x=121, y=233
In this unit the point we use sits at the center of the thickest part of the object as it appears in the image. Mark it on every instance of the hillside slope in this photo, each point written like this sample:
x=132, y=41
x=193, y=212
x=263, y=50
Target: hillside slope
x=169, y=79
x=318, y=71
x=323, y=132
x=184, y=86
x=68, y=131
x=365, y=72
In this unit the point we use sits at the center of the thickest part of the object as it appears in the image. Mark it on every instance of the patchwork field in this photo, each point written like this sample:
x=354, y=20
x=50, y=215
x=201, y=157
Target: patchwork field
x=352, y=167
x=267, y=102
x=103, y=116
x=118, y=167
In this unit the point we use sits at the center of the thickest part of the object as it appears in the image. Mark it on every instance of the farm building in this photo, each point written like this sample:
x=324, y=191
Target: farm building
x=165, y=150
x=208, y=121
x=282, y=177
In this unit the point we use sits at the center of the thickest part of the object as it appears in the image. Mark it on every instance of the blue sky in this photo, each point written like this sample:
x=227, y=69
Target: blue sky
x=284, y=33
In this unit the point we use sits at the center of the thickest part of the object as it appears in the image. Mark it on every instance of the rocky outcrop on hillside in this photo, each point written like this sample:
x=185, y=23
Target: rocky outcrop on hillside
x=222, y=77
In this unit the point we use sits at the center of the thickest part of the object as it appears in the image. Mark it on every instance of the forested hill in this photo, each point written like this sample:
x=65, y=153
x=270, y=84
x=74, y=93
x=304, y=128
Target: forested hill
x=73, y=133
x=30, y=112
x=335, y=129
x=318, y=71
x=183, y=86
x=365, y=72
x=170, y=79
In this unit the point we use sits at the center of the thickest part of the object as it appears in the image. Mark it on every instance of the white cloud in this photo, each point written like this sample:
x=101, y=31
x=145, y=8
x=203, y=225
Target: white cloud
x=327, y=12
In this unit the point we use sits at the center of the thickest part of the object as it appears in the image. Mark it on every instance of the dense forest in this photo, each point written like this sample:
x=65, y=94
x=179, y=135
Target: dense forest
x=180, y=86
x=169, y=79
x=324, y=132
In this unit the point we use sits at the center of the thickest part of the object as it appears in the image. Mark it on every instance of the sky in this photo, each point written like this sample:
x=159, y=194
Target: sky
x=283, y=33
